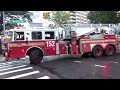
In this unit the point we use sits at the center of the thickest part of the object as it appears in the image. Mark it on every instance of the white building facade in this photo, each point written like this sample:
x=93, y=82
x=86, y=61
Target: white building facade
x=79, y=17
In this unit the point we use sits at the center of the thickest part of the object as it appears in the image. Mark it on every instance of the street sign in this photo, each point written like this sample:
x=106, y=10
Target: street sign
x=17, y=21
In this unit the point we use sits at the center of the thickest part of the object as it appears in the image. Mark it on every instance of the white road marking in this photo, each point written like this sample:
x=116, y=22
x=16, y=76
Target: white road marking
x=1, y=64
x=15, y=71
x=114, y=62
x=8, y=63
x=22, y=75
x=9, y=66
x=44, y=77
x=91, y=58
x=99, y=65
x=78, y=61
x=12, y=68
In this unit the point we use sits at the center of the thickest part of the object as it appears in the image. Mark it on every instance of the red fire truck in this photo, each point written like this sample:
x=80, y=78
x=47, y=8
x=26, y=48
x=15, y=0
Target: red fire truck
x=37, y=43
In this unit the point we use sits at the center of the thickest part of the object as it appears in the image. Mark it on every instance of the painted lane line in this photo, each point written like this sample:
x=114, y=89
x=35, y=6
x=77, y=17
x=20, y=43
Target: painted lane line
x=15, y=71
x=12, y=68
x=78, y=61
x=91, y=58
x=114, y=62
x=44, y=77
x=99, y=65
x=22, y=75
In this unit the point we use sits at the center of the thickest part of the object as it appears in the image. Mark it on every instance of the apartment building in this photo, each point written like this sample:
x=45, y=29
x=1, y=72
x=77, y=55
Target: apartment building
x=79, y=17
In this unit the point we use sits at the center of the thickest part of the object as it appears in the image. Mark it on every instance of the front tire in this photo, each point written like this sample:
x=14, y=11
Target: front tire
x=109, y=50
x=36, y=57
x=97, y=51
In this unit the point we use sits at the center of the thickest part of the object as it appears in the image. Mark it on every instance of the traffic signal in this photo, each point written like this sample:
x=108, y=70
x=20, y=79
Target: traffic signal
x=45, y=15
x=118, y=14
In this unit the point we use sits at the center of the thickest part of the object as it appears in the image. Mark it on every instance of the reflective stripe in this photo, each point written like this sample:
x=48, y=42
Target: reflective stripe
x=98, y=41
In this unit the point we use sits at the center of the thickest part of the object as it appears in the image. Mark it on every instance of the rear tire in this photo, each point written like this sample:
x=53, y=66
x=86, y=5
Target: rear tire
x=97, y=51
x=36, y=57
x=109, y=50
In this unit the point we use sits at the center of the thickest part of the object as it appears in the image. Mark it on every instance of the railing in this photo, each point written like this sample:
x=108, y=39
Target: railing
x=87, y=25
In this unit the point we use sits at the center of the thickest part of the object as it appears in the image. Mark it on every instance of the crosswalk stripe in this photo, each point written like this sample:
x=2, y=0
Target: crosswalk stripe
x=10, y=62
x=15, y=71
x=9, y=66
x=44, y=77
x=22, y=75
x=12, y=68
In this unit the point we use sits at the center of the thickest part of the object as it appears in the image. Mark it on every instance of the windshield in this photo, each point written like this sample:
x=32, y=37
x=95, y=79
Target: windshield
x=10, y=35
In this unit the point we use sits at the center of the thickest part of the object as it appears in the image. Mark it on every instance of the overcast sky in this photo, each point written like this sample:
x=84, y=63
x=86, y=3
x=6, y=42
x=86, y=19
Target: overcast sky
x=38, y=18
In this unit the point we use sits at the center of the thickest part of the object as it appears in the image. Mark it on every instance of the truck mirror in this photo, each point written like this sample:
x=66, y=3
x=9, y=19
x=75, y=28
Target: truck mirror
x=57, y=38
x=15, y=35
x=26, y=38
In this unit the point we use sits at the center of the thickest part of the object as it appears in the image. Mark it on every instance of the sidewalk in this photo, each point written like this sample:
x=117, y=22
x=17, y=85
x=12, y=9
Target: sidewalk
x=2, y=58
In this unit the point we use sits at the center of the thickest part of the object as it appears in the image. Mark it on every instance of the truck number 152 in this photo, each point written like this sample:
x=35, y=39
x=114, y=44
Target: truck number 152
x=50, y=43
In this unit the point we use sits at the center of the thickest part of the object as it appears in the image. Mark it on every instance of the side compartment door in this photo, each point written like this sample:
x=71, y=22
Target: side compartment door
x=17, y=46
x=85, y=46
x=50, y=43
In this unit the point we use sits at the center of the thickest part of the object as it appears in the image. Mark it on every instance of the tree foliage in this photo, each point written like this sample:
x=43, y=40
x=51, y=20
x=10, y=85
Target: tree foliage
x=12, y=14
x=60, y=17
x=103, y=17
x=23, y=14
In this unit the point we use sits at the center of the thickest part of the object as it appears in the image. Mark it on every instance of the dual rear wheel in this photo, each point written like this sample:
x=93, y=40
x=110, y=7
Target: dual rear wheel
x=108, y=51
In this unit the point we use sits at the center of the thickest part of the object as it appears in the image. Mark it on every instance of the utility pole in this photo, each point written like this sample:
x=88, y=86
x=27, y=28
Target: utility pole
x=3, y=21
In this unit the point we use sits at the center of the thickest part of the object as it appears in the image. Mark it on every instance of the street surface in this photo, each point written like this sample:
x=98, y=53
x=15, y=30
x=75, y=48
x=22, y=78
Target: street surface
x=64, y=67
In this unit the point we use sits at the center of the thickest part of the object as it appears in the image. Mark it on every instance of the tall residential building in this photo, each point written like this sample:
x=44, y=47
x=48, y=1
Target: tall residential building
x=79, y=17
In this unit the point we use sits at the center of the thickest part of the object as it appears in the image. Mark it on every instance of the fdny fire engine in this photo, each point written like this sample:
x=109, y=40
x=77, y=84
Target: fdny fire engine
x=37, y=43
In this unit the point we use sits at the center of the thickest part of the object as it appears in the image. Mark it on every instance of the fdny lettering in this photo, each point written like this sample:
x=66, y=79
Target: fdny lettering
x=24, y=44
x=50, y=43
x=37, y=44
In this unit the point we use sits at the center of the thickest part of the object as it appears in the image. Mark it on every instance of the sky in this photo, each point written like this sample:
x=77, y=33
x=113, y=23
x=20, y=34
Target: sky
x=37, y=17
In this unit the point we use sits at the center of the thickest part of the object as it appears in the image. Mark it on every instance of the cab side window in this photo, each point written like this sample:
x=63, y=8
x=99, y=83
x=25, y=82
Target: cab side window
x=49, y=35
x=19, y=35
x=36, y=35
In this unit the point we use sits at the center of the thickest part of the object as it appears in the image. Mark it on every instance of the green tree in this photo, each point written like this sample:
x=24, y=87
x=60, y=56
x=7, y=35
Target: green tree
x=103, y=17
x=9, y=14
x=23, y=14
x=60, y=17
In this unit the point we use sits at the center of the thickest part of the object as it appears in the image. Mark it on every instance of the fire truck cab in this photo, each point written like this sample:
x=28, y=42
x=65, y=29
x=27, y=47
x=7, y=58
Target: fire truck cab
x=32, y=42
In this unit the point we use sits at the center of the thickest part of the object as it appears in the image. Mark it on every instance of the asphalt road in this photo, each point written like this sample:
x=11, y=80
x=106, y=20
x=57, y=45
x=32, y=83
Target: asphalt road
x=85, y=68
x=63, y=67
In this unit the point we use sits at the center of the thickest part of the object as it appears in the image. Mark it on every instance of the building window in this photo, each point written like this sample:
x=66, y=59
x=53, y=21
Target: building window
x=36, y=35
x=49, y=35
